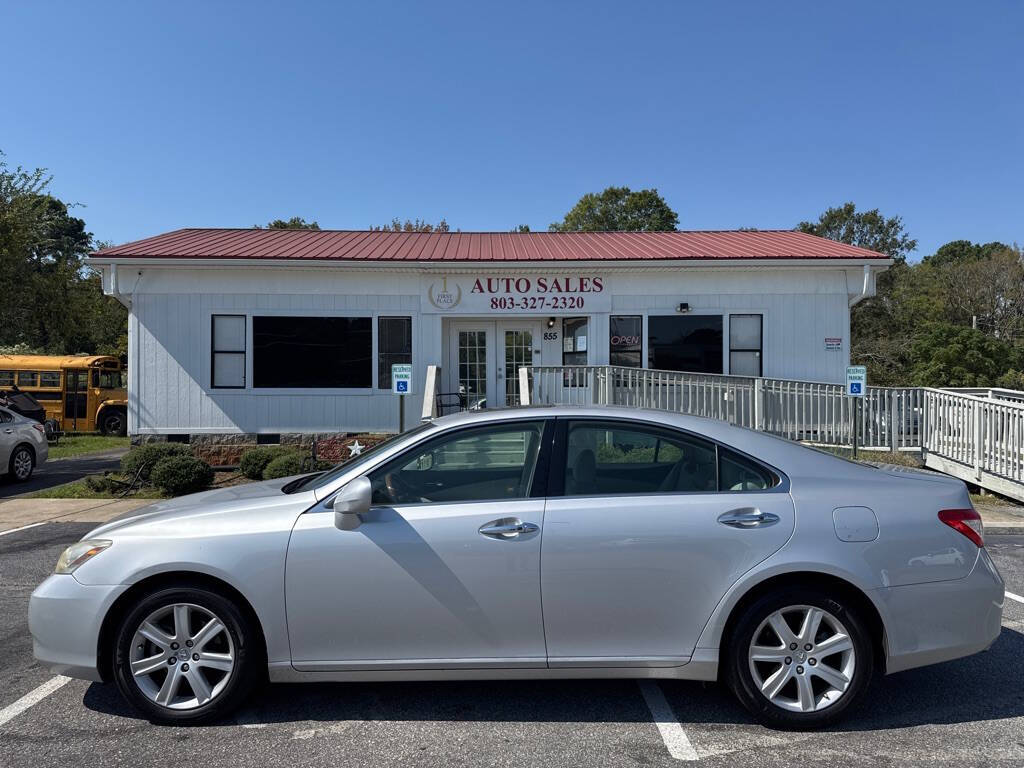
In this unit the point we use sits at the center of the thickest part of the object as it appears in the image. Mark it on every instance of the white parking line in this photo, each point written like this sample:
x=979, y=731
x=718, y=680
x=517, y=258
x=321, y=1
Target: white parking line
x=672, y=733
x=1012, y=596
x=23, y=528
x=31, y=698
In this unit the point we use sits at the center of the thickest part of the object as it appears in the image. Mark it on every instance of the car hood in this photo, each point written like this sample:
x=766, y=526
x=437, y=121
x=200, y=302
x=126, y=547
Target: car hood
x=236, y=499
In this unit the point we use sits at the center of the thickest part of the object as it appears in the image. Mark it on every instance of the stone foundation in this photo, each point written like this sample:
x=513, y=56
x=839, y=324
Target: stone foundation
x=225, y=450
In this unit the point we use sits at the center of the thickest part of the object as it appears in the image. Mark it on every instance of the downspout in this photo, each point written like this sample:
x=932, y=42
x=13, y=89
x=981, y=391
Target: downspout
x=867, y=289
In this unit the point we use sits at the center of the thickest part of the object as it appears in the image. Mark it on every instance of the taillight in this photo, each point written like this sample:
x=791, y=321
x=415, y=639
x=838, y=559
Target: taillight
x=39, y=427
x=965, y=521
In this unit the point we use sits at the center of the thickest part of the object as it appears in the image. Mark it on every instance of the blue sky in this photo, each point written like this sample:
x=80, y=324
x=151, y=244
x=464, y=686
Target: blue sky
x=156, y=116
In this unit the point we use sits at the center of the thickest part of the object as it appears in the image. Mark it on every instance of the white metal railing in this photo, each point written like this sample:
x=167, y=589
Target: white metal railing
x=976, y=435
x=809, y=411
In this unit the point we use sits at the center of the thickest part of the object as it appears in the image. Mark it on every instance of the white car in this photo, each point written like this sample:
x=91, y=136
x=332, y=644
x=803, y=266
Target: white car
x=22, y=445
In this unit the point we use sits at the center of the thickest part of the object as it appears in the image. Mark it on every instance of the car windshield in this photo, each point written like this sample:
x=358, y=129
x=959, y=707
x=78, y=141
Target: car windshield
x=312, y=482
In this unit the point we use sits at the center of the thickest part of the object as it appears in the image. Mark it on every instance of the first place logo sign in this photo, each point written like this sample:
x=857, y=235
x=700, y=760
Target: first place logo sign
x=444, y=299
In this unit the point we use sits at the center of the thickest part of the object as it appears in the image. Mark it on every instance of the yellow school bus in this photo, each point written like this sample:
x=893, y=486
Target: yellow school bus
x=81, y=393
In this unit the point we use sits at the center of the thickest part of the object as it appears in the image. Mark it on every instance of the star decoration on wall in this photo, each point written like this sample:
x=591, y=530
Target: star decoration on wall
x=355, y=448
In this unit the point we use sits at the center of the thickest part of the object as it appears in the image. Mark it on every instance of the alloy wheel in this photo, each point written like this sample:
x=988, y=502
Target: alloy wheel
x=802, y=658
x=22, y=464
x=182, y=656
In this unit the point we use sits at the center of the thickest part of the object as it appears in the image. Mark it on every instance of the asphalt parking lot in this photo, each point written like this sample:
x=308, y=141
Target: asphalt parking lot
x=964, y=712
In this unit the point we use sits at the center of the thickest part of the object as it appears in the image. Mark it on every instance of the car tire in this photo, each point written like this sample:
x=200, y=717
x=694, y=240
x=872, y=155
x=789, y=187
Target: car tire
x=142, y=667
x=22, y=463
x=114, y=422
x=795, y=689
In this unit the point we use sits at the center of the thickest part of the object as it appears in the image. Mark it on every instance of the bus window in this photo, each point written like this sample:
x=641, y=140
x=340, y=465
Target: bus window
x=27, y=378
x=106, y=379
x=49, y=378
x=6, y=378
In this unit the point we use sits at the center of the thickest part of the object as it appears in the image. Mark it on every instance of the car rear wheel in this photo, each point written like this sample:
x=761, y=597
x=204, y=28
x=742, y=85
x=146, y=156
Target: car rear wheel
x=22, y=464
x=798, y=659
x=185, y=656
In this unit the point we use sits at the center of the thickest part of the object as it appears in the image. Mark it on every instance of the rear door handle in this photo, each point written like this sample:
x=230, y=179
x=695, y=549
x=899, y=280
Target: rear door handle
x=507, y=528
x=748, y=517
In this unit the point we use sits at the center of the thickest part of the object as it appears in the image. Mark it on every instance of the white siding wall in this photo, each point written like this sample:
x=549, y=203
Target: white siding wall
x=169, y=334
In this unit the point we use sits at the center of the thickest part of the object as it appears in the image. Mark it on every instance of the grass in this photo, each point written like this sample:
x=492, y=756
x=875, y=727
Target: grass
x=77, y=445
x=903, y=458
x=79, y=490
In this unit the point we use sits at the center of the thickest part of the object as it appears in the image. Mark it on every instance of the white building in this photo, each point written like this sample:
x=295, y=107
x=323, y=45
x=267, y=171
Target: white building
x=264, y=332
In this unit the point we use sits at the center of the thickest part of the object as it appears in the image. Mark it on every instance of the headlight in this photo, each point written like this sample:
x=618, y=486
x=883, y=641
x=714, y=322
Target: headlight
x=76, y=554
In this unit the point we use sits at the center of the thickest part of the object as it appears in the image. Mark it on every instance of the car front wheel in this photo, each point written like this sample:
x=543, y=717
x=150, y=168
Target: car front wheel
x=798, y=659
x=185, y=656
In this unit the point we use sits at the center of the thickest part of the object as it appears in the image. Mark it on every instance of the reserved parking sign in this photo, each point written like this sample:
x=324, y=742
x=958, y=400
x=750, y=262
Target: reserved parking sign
x=856, y=380
x=401, y=379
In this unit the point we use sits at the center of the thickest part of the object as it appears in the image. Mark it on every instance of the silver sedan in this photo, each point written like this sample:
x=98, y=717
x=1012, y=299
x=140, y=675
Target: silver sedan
x=23, y=445
x=535, y=543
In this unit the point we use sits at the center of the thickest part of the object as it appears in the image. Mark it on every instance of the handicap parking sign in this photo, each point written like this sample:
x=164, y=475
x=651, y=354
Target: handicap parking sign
x=401, y=378
x=856, y=380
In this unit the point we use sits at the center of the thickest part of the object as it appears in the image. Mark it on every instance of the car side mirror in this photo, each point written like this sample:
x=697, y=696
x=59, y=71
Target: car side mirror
x=350, y=502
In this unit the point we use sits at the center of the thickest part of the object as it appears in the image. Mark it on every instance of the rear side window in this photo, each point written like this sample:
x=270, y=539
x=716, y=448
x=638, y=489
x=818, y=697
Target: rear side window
x=612, y=458
x=738, y=473
x=5, y=417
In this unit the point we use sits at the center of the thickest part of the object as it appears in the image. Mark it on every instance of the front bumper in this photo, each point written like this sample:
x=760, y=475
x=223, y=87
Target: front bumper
x=65, y=617
x=943, y=620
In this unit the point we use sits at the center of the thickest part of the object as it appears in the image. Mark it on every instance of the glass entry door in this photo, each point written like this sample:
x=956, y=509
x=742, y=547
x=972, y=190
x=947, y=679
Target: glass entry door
x=484, y=359
x=520, y=345
x=471, y=363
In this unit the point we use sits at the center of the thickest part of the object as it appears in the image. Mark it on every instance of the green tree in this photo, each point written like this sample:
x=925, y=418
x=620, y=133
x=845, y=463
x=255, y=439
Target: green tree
x=866, y=229
x=963, y=252
x=521, y=228
x=945, y=355
x=295, y=222
x=410, y=225
x=53, y=301
x=619, y=209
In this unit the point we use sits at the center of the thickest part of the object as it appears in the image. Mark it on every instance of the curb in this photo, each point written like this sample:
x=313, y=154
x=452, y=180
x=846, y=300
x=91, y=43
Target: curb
x=997, y=529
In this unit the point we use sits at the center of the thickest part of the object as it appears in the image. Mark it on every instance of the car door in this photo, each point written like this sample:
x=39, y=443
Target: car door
x=444, y=571
x=645, y=530
x=8, y=437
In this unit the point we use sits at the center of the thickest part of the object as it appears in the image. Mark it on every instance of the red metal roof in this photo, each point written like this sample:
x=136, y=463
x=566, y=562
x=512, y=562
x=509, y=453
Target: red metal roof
x=335, y=245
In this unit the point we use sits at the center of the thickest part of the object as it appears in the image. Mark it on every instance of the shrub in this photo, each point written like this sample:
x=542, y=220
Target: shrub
x=178, y=475
x=255, y=460
x=102, y=483
x=146, y=457
x=293, y=463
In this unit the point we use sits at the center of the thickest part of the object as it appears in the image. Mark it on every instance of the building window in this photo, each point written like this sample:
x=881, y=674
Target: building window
x=49, y=379
x=394, y=346
x=228, y=364
x=574, y=341
x=574, y=350
x=745, y=344
x=312, y=352
x=685, y=343
x=624, y=344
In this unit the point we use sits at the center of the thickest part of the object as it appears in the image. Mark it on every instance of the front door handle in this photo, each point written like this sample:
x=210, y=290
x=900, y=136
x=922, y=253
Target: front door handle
x=507, y=528
x=748, y=517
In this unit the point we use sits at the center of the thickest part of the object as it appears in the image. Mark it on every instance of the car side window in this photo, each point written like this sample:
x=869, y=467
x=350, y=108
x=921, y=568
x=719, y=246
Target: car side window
x=604, y=458
x=488, y=463
x=737, y=473
x=5, y=417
